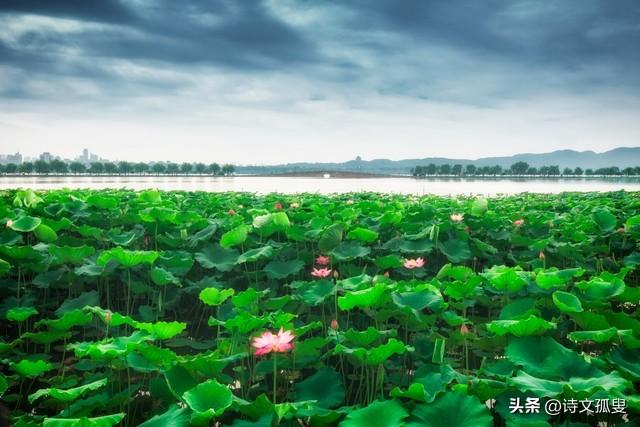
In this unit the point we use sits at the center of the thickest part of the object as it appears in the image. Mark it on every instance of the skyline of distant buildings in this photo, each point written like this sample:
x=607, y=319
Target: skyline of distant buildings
x=86, y=158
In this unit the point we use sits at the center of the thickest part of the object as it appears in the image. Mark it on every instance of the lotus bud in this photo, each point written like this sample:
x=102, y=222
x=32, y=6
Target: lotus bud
x=278, y=206
x=9, y=223
x=464, y=330
x=232, y=212
x=541, y=255
x=335, y=274
x=334, y=325
x=620, y=230
x=107, y=317
x=386, y=274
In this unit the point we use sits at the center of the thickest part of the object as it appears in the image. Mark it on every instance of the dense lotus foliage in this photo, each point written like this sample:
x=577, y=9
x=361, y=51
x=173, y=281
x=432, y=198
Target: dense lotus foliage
x=178, y=308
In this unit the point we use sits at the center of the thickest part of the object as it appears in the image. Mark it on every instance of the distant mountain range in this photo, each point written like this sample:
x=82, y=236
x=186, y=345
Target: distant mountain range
x=620, y=157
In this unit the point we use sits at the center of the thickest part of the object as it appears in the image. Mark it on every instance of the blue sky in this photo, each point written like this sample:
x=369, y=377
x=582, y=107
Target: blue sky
x=277, y=81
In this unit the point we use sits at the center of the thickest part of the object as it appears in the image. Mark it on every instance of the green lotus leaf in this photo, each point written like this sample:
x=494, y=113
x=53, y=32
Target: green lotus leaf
x=479, y=206
x=532, y=325
x=277, y=220
x=428, y=382
x=626, y=361
x=324, y=386
x=330, y=238
x=215, y=297
x=454, y=409
x=234, y=237
x=150, y=196
x=215, y=256
x=567, y=302
x=415, y=246
x=45, y=234
x=389, y=261
x=602, y=287
x=208, y=400
x=553, y=278
x=162, y=330
x=162, y=277
x=282, y=269
x=456, y=250
x=365, y=298
x=503, y=278
x=71, y=254
x=104, y=421
x=22, y=253
x=178, y=263
x=20, y=314
x=377, y=355
x=172, y=417
x=24, y=224
x=158, y=214
x=32, y=369
x=316, y=292
x=363, y=234
x=203, y=234
x=455, y=272
x=460, y=290
x=102, y=202
x=90, y=298
x=127, y=258
x=366, y=337
x=578, y=387
x=4, y=267
x=124, y=238
x=350, y=250
x=257, y=254
x=248, y=298
x=429, y=297
x=600, y=337
x=544, y=357
x=387, y=413
x=518, y=309
x=244, y=323
x=605, y=219
x=27, y=198
x=67, y=395
x=68, y=320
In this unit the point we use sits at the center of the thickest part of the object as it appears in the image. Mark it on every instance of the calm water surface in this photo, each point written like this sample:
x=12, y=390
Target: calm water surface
x=439, y=186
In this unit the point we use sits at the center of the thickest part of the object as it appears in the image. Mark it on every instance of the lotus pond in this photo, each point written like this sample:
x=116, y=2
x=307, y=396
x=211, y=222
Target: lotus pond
x=360, y=310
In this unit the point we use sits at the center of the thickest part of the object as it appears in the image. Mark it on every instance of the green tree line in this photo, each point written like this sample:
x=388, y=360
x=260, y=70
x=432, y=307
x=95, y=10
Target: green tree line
x=41, y=167
x=518, y=168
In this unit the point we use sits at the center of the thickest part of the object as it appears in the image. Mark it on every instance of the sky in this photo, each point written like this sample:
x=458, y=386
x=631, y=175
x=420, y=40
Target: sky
x=265, y=82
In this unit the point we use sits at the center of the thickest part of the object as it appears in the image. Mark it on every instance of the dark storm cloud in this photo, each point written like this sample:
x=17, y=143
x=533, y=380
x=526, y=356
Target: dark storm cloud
x=407, y=48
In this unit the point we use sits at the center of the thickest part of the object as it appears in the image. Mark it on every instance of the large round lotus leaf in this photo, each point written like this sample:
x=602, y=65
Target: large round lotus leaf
x=316, y=292
x=254, y=255
x=162, y=277
x=429, y=381
x=21, y=252
x=388, y=413
x=176, y=262
x=532, y=325
x=456, y=250
x=331, y=238
x=20, y=314
x=104, y=421
x=567, y=302
x=504, y=278
x=627, y=361
x=460, y=290
x=162, y=330
x=102, y=202
x=208, y=399
x=45, y=234
x=349, y=250
x=379, y=354
x=605, y=219
x=67, y=395
x=453, y=409
x=366, y=337
x=602, y=287
x=363, y=234
x=553, y=278
x=574, y=387
x=325, y=386
x=68, y=320
x=455, y=272
x=158, y=214
x=365, y=298
x=215, y=256
x=600, y=337
x=32, y=369
x=282, y=269
x=545, y=358
x=90, y=298
x=127, y=258
x=173, y=417
x=415, y=246
x=71, y=254
x=214, y=296
x=479, y=206
x=518, y=309
x=234, y=237
x=24, y=224
x=429, y=298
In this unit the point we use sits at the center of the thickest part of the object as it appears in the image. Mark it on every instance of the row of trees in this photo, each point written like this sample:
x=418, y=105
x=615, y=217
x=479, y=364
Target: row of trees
x=120, y=168
x=519, y=168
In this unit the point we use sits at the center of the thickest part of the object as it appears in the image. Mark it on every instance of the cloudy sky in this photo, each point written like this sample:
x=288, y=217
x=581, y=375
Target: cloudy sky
x=300, y=80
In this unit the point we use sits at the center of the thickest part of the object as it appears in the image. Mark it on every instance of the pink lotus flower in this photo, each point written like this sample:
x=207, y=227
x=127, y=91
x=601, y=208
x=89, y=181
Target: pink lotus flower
x=464, y=330
x=413, y=263
x=321, y=272
x=278, y=206
x=269, y=342
x=457, y=217
x=518, y=222
x=350, y=202
x=334, y=325
x=322, y=260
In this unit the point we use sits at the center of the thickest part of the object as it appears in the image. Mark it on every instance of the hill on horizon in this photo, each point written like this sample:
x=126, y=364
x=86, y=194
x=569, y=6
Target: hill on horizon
x=621, y=157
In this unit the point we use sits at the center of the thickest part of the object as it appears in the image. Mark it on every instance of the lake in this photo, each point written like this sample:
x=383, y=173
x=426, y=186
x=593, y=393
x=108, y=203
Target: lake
x=261, y=184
